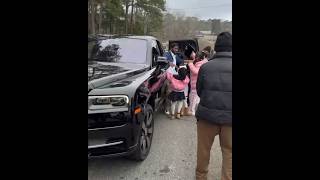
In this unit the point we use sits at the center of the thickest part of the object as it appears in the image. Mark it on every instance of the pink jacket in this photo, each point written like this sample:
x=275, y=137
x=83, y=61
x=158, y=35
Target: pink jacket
x=157, y=85
x=175, y=84
x=194, y=70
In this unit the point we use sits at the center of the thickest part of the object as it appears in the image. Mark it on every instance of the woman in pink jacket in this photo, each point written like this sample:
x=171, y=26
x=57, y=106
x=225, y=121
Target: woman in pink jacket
x=194, y=66
x=177, y=84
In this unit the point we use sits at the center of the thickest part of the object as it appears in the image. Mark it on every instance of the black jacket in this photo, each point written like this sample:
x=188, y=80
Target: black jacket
x=214, y=87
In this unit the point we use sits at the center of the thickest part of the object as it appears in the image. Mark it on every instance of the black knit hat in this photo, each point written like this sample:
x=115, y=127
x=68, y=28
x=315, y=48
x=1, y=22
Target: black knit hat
x=182, y=73
x=224, y=42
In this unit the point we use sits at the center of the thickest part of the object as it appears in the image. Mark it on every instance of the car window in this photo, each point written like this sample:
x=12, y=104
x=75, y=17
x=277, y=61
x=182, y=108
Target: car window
x=155, y=46
x=155, y=52
x=121, y=50
x=160, y=48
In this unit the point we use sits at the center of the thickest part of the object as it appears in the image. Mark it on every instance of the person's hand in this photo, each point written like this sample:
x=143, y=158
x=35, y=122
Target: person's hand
x=162, y=75
x=193, y=55
x=188, y=61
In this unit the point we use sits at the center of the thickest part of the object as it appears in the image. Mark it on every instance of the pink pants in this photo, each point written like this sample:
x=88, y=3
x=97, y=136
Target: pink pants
x=194, y=101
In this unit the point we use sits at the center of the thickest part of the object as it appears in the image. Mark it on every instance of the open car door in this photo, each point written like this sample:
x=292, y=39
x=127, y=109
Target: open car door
x=183, y=46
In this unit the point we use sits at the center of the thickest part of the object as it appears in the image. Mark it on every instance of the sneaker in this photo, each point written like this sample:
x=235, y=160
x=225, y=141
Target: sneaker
x=188, y=113
x=182, y=112
x=178, y=116
x=166, y=112
x=172, y=117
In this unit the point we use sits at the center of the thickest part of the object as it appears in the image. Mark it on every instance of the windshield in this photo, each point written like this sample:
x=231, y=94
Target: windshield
x=123, y=50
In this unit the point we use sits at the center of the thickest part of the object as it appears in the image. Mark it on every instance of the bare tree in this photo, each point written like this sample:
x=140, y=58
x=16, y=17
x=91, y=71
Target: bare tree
x=126, y=16
x=131, y=17
x=145, y=29
x=92, y=14
x=100, y=18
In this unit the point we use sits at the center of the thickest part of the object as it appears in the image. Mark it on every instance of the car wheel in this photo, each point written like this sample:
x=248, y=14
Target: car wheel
x=145, y=136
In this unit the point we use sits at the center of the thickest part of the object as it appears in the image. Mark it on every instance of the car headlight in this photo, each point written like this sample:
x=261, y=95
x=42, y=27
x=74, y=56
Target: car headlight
x=117, y=100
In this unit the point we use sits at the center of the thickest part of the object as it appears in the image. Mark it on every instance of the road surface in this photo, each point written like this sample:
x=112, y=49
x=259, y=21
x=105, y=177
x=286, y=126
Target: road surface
x=172, y=156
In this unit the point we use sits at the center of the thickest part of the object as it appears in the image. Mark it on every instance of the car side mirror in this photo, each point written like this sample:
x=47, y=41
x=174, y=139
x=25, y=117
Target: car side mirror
x=162, y=61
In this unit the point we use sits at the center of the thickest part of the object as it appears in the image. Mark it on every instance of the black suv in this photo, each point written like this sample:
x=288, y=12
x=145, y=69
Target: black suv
x=121, y=70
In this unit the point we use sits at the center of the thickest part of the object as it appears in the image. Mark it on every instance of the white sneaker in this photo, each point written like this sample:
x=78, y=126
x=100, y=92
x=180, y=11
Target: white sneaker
x=166, y=112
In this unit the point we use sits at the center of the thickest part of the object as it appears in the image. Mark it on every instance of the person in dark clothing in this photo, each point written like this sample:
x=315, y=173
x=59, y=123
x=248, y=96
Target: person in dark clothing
x=172, y=56
x=214, y=112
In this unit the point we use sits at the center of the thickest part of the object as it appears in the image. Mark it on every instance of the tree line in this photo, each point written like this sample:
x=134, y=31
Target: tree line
x=146, y=17
x=124, y=16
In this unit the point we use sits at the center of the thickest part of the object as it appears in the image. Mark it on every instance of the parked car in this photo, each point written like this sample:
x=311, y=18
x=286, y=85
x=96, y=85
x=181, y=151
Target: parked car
x=121, y=104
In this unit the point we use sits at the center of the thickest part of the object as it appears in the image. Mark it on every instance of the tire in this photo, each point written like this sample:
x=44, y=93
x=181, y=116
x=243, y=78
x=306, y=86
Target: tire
x=145, y=136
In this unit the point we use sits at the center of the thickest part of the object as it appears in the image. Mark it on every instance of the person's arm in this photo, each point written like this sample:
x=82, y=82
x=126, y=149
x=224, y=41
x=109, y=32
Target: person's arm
x=186, y=80
x=163, y=75
x=168, y=56
x=199, y=82
x=171, y=64
x=193, y=68
x=169, y=76
x=179, y=61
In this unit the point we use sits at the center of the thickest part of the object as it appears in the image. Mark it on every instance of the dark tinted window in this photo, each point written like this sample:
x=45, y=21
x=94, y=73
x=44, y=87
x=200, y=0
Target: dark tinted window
x=122, y=50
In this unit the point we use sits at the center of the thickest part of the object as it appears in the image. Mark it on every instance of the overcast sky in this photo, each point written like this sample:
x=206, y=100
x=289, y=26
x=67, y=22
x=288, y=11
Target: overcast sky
x=203, y=9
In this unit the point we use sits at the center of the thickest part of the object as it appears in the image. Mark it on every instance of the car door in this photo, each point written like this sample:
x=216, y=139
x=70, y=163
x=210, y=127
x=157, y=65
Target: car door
x=183, y=44
x=158, y=51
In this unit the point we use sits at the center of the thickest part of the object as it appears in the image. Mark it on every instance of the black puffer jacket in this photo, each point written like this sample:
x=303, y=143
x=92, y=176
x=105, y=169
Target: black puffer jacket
x=214, y=87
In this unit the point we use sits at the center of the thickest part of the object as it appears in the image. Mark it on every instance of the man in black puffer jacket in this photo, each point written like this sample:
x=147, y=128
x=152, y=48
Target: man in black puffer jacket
x=214, y=113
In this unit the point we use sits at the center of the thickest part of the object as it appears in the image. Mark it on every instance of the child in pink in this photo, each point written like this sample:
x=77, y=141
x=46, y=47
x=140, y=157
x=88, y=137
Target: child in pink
x=177, y=84
x=194, y=69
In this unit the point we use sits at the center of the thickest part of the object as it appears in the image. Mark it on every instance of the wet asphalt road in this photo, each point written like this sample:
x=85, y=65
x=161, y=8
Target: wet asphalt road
x=172, y=156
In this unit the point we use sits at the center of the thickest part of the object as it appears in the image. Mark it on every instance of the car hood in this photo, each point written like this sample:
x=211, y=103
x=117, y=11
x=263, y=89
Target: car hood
x=102, y=73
